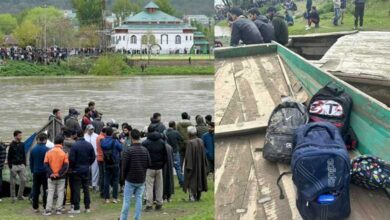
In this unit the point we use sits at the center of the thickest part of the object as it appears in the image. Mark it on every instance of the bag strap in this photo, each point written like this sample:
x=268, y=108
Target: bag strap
x=281, y=196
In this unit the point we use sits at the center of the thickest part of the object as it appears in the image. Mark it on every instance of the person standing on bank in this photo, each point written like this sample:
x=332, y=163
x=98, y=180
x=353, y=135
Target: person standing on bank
x=135, y=163
x=175, y=139
x=195, y=166
x=243, y=29
x=100, y=161
x=208, y=140
x=280, y=26
x=90, y=136
x=81, y=157
x=17, y=165
x=343, y=8
x=359, y=13
x=336, y=6
x=37, y=166
x=154, y=175
x=182, y=129
x=56, y=164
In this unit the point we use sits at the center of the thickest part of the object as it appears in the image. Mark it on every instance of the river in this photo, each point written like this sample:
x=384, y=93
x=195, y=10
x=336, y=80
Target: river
x=25, y=103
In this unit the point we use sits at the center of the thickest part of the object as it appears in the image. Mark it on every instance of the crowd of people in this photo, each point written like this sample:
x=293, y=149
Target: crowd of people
x=251, y=27
x=92, y=155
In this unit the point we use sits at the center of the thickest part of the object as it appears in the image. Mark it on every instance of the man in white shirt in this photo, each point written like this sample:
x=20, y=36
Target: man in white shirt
x=90, y=136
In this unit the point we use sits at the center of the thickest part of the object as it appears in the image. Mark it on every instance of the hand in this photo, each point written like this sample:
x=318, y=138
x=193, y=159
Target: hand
x=52, y=176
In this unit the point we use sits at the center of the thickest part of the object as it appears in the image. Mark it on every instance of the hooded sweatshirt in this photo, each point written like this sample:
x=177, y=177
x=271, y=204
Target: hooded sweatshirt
x=156, y=148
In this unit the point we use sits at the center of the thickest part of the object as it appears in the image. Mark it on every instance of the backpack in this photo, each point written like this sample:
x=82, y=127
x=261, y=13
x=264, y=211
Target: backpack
x=370, y=172
x=108, y=155
x=321, y=172
x=284, y=119
x=333, y=105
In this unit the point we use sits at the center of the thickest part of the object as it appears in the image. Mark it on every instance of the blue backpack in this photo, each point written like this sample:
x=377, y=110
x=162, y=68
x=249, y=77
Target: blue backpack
x=321, y=172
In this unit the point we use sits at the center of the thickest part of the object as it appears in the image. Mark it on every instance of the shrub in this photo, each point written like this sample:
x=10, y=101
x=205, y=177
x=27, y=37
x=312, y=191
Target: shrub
x=110, y=64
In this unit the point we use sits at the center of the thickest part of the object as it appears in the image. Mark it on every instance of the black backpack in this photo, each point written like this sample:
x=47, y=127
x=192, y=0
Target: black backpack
x=108, y=155
x=285, y=118
x=333, y=105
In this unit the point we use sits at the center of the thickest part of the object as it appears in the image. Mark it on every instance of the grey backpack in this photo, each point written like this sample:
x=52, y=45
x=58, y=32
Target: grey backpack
x=283, y=122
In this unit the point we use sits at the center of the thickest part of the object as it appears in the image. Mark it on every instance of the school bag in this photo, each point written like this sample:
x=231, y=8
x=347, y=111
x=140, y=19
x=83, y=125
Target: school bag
x=334, y=105
x=284, y=119
x=370, y=172
x=321, y=172
x=108, y=155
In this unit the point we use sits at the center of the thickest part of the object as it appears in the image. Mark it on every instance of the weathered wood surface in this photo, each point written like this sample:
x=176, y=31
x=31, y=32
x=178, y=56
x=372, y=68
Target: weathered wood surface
x=247, y=90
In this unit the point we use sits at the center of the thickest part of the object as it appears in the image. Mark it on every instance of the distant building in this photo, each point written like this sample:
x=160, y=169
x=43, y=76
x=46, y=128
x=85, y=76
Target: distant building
x=203, y=19
x=171, y=34
x=201, y=44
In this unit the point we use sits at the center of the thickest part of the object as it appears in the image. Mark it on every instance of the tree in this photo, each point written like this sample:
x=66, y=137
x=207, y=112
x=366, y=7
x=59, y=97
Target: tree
x=123, y=8
x=88, y=36
x=89, y=12
x=165, y=6
x=26, y=33
x=7, y=23
x=149, y=40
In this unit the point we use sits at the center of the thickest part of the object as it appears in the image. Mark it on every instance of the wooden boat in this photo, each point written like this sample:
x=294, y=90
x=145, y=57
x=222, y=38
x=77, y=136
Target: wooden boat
x=250, y=82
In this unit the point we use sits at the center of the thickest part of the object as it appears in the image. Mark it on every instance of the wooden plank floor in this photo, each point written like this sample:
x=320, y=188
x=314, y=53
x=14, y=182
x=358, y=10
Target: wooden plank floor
x=247, y=89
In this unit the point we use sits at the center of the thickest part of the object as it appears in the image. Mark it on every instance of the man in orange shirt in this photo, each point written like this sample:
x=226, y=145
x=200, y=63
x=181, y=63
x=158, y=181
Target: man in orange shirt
x=100, y=161
x=56, y=163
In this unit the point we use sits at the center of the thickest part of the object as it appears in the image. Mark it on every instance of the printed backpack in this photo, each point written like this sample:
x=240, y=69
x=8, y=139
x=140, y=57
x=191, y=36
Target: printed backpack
x=370, y=172
x=285, y=118
x=321, y=172
x=333, y=105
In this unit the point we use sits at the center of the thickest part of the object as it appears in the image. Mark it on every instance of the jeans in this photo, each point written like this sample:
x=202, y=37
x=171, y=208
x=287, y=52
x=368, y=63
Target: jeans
x=111, y=174
x=154, y=178
x=55, y=185
x=132, y=188
x=336, y=16
x=211, y=165
x=359, y=13
x=177, y=165
x=19, y=170
x=39, y=179
x=80, y=180
x=101, y=178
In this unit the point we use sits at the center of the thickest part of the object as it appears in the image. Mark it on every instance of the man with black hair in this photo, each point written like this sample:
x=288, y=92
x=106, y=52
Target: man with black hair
x=17, y=164
x=135, y=163
x=243, y=29
x=155, y=122
x=100, y=160
x=81, y=157
x=154, y=175
x=56, y=114
x=111, y=155
x=37, y=166
x=71, y=122
x=86, y=118
x=97, y=123
x=209, y=118
x=56, y=164
x=182, y=129
x=265, y=27
x=280, y=26
x=94, y=113
x=175, y=139
x=208, y=140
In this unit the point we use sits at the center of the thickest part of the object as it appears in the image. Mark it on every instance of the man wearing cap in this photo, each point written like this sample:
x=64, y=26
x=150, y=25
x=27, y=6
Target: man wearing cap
x=243, y=29
x=72, y=121
x=280, y=26
x=90, y=136
x=81, y=157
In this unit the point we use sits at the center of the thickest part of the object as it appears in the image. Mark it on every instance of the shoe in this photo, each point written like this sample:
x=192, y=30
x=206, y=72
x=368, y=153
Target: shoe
x=63, y=209
x=148, y=208
x=58, y=212
x=36, y=210
x=158, y=207
x=107, y=201
x=88, y=210
x=46, y=213
x=115, y=201
x=22, y=198
x=307, y=28
x=74, y=212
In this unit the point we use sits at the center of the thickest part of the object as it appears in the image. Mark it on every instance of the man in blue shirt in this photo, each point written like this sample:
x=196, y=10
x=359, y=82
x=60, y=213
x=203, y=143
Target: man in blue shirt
x=37, y=157
x=208, y=140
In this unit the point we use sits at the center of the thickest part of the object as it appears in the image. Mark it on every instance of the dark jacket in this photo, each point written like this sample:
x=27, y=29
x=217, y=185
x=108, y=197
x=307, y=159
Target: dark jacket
x=81, y=156
x=168, y=180
x=98, y=125
x=201, y=126
x=245, y=30
x=37, y=157
x=135, y=162
x=107, y=144
x=281, y=29
x=158, y=125
x=309, y=3
x=157, y=151
x=3, y=154
x=182, y=129
x=73, y=124
x=68, y=143
x=208, y=140
x=360, y=1
x=266, y=29
x=195, y=169
x=343, y=4
x=16, y=154
x=314, y=15
x=174, y=139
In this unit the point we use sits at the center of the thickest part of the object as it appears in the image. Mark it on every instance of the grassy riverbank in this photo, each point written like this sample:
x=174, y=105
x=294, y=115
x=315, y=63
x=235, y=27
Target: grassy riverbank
x=167, y=57
x=100, y=67
x=176, y=209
